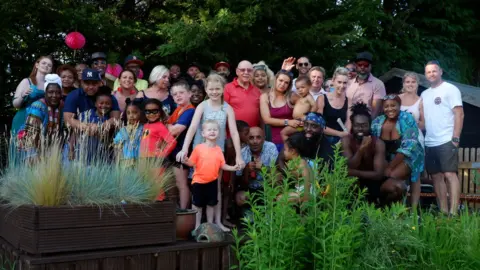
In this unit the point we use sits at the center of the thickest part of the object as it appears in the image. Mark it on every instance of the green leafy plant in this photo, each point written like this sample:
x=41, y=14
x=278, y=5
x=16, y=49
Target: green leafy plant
x=337, y=230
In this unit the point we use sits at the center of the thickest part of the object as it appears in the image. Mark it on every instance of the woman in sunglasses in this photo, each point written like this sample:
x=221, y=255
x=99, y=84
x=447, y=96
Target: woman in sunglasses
x=404, y=153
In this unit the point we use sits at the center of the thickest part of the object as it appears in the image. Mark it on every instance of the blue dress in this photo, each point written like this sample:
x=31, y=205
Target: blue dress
x=21, y=115
x=130, y=145
x=410, y=146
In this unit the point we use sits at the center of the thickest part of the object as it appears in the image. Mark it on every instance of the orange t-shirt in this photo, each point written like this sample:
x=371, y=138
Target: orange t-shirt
x=207, y=161
x=156, y=141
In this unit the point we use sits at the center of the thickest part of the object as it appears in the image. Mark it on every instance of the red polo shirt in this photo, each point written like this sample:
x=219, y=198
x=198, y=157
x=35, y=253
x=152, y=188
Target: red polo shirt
x=244, y=102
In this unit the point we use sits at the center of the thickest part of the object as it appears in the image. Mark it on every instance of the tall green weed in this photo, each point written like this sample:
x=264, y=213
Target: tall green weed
x=341, y=231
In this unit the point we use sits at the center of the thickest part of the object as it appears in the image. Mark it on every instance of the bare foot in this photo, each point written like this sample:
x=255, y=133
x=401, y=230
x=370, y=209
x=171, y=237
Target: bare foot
x=225, y=229
x=228, y=223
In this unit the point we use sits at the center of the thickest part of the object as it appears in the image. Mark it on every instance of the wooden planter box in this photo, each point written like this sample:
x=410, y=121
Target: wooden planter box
x=42, y=230
x=183, y=255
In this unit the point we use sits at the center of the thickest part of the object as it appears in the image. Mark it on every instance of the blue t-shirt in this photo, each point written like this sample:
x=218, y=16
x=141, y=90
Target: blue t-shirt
x=78, y=101
x=184, y=119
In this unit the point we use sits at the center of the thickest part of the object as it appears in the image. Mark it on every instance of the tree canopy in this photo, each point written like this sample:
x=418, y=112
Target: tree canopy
x=400, y=33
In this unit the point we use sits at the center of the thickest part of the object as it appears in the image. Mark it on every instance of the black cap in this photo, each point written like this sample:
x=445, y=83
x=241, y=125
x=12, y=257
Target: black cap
x=98, y=55
x=90, y=74
x=365, y=56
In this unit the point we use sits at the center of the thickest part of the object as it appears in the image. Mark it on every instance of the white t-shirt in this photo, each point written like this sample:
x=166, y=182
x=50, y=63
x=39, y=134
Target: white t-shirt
x=438, y=104
x=319, y=93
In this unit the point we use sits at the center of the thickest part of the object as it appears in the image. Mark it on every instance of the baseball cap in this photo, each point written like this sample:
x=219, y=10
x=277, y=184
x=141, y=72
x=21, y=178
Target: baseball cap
x=99, y=55
x=220, y=64
x=365, y=56
x=133, y=59
x=90, y=74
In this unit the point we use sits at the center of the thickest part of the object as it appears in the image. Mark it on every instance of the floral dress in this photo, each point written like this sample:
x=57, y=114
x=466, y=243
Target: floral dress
x=410, y=146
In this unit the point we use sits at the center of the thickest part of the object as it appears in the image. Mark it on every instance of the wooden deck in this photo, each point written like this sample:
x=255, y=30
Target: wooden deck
x=183, y=255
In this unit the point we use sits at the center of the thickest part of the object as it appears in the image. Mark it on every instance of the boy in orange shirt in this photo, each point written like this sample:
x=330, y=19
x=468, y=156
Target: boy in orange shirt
x=207, y=159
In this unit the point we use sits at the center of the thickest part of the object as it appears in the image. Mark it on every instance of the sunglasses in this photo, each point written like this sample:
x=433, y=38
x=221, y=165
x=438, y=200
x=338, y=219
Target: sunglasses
x=365, y=65
x=99, y=62
x=303, y=64
x=245, y=70
x=260, y=67
x=390, y=97
x=351, y=69
x=152, y=112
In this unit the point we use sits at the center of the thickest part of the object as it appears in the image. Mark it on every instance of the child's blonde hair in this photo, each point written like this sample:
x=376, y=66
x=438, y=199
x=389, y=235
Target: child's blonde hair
x=215, y=78
x=210, y=121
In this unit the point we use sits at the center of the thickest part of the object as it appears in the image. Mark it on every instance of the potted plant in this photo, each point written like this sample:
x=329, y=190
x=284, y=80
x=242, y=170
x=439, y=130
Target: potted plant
x=84, y=206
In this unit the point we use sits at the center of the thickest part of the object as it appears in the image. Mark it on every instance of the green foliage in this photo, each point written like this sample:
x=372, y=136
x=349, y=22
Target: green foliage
x=338, y=231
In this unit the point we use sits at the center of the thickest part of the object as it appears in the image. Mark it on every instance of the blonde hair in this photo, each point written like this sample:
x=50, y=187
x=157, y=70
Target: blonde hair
x=270, y=74
x=157, y=73
x=411, y=75
x=340, y=71
x=210, y=121
x=317, y=68
x=215, y=78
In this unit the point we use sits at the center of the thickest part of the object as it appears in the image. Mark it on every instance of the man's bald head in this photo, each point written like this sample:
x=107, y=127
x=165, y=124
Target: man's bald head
x=244, y=72
x=245, y=64
x=256, y=138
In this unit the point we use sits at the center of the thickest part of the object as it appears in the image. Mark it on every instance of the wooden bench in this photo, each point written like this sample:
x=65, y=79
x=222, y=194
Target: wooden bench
x=468, y=175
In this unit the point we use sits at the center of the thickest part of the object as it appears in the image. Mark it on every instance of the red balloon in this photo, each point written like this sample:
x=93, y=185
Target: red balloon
x=75, y=40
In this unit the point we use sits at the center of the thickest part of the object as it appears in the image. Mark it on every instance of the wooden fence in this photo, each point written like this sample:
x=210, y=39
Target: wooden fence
x=469, y=175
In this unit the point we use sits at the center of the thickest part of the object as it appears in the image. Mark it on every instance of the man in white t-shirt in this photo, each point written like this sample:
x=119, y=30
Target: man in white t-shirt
x=443, y=110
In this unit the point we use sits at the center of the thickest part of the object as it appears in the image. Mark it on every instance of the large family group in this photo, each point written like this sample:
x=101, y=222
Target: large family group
x=204, y=125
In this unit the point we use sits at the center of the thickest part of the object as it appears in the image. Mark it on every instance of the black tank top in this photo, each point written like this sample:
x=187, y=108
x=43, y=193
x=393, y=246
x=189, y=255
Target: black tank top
x=331, y=114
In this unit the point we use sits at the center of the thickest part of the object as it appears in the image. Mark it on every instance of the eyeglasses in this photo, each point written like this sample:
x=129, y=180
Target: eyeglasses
x=245, y=70
x=99, y=62
x=152, y=112
x=351, y=69
x=389, y=97
x=306, y=64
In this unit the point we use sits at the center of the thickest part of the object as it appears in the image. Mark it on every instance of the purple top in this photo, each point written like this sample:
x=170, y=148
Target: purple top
x=284, y=112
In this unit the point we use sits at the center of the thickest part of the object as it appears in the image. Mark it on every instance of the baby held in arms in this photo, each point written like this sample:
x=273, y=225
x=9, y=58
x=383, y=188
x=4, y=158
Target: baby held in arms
x=303, y=105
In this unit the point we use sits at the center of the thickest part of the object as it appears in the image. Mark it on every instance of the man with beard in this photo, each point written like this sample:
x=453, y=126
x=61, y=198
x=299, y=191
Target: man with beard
x=223, y=69
x=83, y=99
x=365, y=87
x=365, y=154
x=133, y=63
x=317, y=144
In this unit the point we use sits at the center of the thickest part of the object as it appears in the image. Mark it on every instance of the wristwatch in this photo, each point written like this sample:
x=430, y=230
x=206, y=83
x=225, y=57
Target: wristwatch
x=455, y=139
x=286, y=122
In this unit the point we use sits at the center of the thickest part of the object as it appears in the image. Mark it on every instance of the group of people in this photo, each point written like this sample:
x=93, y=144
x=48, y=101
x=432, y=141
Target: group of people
x=204, y=125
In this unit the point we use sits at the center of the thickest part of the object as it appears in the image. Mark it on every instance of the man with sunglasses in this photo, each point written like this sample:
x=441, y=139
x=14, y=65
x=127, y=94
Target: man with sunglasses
x=352, y=71
x=443, y=110
x=303, y=66
x=365, y=87
x=99, y=63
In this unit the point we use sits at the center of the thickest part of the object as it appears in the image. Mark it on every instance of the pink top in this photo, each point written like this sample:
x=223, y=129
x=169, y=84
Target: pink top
x=284, y=112
x=366, y=92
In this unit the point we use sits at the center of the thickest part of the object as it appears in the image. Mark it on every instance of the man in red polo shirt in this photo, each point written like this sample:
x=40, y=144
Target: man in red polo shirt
x=243, y=96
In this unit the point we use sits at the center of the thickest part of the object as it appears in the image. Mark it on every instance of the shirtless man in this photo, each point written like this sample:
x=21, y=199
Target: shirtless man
x=365, y=154
x=305, y=104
